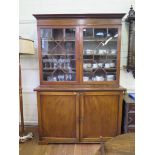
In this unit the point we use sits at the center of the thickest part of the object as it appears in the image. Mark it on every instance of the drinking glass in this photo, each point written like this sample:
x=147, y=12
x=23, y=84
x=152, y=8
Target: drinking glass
x=49, y=78
x=45, y=61
x=66, y=77
x=70, y=77
x=54, y=78
x=51, y=63
x=55, y=62
x=62, y=77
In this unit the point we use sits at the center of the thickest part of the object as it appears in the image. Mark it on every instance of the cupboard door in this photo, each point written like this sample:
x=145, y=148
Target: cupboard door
x=100, y=114
x=59, y=116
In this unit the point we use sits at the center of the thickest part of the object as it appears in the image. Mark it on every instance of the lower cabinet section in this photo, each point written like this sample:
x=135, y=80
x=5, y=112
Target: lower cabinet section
x=72, y=117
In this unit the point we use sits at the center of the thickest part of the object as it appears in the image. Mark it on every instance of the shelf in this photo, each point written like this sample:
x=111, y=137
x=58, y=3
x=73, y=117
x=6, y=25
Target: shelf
x=48, y=69
x=98, y=81
x=92, y=60
x=83, y=54
x=101, y=68
x=51, y=40
x=99, y=55
x=57, y=54
x=101, y=40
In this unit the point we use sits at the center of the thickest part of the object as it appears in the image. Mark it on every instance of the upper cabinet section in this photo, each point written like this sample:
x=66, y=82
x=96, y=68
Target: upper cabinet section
x=79, y=48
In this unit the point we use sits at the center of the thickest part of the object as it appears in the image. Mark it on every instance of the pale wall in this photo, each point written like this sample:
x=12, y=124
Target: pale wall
x=27, y=25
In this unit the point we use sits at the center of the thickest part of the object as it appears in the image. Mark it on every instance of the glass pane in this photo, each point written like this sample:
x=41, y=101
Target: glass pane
x=58, y=54
x=99, y=54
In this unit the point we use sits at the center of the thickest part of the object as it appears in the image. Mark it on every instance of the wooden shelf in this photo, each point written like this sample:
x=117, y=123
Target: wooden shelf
x=51, y=40
x=65, y=54
x=87, y=40
x=99, y=55
x=48, y=69
x=112, y=68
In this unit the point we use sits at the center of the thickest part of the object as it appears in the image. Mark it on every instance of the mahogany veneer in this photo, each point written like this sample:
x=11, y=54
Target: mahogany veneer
x=78, y=111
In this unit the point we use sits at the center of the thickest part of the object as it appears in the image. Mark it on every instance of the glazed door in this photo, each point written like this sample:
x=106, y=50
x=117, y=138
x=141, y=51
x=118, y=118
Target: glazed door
x=100, y=115
x=100, y=49
x=59, y=55
x=59, y=116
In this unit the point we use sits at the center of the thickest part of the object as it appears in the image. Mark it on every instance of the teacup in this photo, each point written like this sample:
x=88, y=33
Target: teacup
x=85, y=78
x=112, y=64
x=99, y=78
x=107, y=65
x=54, y=79
x=110, y=77
x=86, y=65
x=102, y=51
x=100, y=64
x=89, y=65
x=88, y=51
x=95, y=65
x=113, y=51
x=95, y=52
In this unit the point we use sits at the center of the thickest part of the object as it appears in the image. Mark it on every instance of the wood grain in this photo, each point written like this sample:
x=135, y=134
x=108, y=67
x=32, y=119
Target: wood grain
x=99, y=115
x=58, y=115
x=32, y=148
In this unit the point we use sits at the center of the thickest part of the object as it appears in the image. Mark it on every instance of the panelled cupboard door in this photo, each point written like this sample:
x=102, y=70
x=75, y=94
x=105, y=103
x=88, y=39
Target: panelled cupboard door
x=59, y=116
x=100, y=114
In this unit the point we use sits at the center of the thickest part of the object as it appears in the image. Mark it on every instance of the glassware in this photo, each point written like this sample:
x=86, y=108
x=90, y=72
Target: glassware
x=55, y=62
x=58, y=77
x=85, y=78
x=110, y=77
x=70, y=77
x=51, y=63
x=66, y=77
x=63, y=63
x=54, y=78
x=59, y=63
x=45, y=61
x=62, y=77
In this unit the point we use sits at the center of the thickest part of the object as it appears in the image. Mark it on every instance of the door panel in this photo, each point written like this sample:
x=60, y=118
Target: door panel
x=99, y=115
x=59, y=113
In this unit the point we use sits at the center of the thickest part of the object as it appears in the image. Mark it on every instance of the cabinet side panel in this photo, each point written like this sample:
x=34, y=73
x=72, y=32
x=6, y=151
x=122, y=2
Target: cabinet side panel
x=58, y=116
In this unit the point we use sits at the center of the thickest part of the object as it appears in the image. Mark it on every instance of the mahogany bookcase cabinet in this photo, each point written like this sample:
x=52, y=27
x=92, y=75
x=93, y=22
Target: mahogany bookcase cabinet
x=79, y=97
